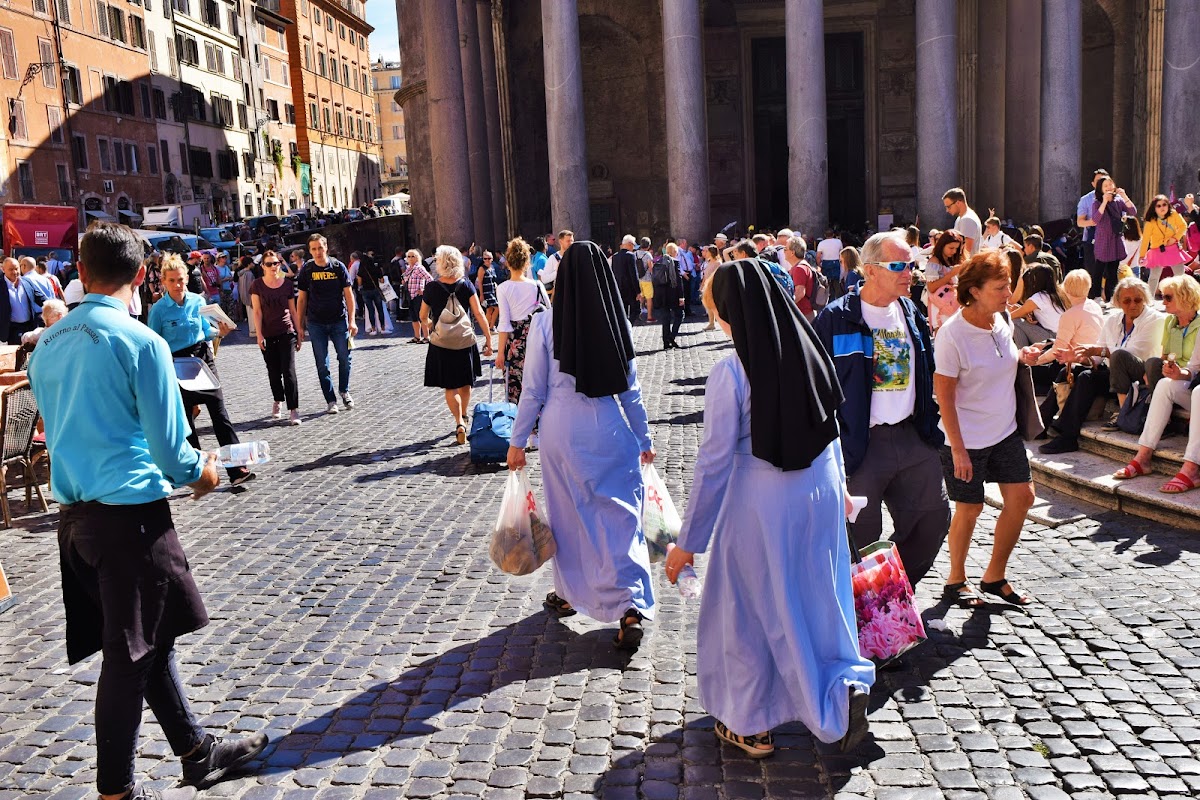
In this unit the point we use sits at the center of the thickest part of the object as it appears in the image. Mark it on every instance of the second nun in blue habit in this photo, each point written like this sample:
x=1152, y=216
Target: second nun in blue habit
x=594, y=436
x=777, y=639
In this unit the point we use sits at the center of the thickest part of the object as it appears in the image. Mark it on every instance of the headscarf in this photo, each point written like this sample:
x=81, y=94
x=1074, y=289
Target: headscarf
x=794, y=391
x=592, y=341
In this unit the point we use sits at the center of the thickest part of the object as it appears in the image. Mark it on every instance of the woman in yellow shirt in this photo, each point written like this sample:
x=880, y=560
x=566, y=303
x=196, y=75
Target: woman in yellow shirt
x=1163, y=229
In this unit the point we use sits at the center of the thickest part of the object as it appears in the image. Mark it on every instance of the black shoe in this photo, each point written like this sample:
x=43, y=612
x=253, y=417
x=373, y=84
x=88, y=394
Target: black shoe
x=629, y=637
x=143, y=792
x=219, y=758
x=1111, y=425
x=858, y=727
x=1059, y=444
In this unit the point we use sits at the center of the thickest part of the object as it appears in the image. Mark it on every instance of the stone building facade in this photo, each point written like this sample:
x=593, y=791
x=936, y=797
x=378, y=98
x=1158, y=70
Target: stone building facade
x=386, y=79
x=678, y=117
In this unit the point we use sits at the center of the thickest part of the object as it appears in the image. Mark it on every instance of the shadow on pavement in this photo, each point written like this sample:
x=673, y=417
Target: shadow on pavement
x=690, y=418
x=452, y=685
x=348, y=458
x=1124, y=533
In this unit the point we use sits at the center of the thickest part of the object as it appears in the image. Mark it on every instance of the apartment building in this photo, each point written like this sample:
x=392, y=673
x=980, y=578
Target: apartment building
x=278, y=186
x=337, y=128
x=385, y=81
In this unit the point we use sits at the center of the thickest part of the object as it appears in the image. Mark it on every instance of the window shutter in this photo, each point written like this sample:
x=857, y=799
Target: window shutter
x=102, y=19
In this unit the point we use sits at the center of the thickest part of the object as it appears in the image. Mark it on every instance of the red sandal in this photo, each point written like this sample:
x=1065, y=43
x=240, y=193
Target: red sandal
x=1133, y=469
x=1178, y=485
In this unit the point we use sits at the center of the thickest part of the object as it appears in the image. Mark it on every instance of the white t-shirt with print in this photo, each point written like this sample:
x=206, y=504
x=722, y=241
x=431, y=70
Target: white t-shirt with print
x=893, y=393
x=984, y=362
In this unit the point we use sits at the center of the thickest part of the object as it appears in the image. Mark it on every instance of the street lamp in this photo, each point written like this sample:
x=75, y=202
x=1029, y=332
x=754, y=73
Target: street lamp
x=32, y=72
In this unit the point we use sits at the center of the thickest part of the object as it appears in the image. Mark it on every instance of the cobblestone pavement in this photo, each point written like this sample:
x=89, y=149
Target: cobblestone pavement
x=357, y=620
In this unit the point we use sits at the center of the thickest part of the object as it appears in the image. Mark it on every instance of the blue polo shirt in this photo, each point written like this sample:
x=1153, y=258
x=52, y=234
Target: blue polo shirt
x=115, y=423
x=181, y=324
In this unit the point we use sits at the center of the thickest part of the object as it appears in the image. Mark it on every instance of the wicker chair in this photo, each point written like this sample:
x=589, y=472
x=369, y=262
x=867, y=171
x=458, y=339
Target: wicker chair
x=18, y=422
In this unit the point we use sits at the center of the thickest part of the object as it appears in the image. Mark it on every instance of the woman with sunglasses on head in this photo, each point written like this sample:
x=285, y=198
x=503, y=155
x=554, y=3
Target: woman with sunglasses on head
x=941, y=271
x=1109, y=208
x=777, y=640
x=1180, y=365
x=273, y=309
x=975, y=386
x=1161, y=235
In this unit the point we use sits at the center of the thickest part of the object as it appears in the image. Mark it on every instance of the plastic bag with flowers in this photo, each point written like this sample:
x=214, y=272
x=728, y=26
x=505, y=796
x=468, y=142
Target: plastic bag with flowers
x=661, y=523
x=888, y=621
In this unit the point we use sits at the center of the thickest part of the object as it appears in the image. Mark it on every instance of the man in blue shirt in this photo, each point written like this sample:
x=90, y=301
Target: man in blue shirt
x=325, y=306
x=127, y=589
x=20, y=305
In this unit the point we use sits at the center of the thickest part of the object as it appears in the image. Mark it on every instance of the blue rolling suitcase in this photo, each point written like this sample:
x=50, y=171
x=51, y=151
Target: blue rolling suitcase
x=491, y=428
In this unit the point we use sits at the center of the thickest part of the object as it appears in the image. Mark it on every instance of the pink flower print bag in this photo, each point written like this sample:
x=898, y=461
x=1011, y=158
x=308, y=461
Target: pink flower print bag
x=889, y=623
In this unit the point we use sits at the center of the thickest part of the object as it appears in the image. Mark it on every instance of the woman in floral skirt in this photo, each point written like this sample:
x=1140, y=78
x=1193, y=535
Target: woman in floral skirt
x=518, y=298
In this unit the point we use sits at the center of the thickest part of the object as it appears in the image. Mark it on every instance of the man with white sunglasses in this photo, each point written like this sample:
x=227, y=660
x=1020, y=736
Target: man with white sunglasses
x=883, y=353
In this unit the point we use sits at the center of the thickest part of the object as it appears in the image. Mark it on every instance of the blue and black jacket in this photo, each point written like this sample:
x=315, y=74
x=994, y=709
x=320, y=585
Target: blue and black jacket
x=850, y=341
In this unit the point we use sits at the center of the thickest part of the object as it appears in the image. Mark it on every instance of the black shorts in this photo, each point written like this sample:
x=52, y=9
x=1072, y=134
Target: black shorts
x=414, y=308
x=1004, y=462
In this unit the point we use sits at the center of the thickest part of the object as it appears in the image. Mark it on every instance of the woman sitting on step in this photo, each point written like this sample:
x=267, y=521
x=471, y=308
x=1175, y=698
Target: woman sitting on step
x=1181, y=297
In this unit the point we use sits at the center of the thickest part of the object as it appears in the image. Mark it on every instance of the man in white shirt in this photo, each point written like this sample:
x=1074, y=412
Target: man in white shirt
x=550, y=271
x=993, y=237
x=967, y=222
x=829, y=257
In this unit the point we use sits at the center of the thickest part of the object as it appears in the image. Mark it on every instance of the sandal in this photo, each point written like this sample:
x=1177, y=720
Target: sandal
x=1012, y=596
x=557, y=606
x=1178, y=485
x=414, y=340
x=962, y=595
x=1133, y=469
x=856, y=730
x=630, y=635
x=750, y=745
x=460, y=434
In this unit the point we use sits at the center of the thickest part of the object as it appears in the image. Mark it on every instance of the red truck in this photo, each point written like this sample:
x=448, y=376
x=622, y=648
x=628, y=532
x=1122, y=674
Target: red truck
x=40, y=231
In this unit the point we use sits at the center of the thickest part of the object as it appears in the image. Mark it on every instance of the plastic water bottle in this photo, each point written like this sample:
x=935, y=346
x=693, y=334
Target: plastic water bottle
x=687, y=580
x=244, y=454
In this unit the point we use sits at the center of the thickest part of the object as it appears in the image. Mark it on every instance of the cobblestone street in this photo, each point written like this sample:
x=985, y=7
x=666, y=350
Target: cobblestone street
x=357, y=619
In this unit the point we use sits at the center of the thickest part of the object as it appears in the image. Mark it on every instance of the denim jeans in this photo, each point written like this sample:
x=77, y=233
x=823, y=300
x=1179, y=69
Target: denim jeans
x=373, y=313
x=322, y=334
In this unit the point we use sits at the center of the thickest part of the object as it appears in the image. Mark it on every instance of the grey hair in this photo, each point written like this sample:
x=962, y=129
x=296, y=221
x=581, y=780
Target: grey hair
x=797, y=246
x=627, y=239
x=449, y=262
x=1133, y=282
x=872, y=249
x=54, y=306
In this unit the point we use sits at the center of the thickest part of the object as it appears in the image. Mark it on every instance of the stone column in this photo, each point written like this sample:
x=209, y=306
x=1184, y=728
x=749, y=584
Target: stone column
x=808, y=153
x=477, y=141
x=447, y=123
x=989, y=100
x=414, y=100
x=1062, y=108
x=565, y=139
x=491, y=107
x=1180, y=97
x=937, y=108
x=687, y=122
x=1022, y=111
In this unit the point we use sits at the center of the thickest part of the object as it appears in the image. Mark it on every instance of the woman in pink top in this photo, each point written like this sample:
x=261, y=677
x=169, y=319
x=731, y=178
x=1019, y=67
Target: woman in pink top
x=1079, y=326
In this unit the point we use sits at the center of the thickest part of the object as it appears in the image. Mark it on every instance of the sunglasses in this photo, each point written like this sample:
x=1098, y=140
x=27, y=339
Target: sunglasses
x=270, y=263
x=895, y=266
x=1167, y=298
x=1162, y=205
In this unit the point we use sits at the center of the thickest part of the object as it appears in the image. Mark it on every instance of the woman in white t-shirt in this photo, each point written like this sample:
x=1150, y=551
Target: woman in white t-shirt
x=974, y=382
x=1041, y=306
x=519, y=298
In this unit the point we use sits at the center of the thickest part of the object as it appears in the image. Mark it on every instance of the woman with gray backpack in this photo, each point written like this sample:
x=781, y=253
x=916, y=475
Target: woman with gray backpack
x=452, y=362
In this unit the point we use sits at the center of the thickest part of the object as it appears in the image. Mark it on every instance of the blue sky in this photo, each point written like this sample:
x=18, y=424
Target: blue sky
x=385, y=41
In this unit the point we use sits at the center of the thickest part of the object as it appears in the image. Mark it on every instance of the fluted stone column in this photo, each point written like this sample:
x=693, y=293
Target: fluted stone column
x=1062, y=108
x=1181, y=97
x=1022, y=111
x=447, y=123
x=566, y=143
x=687, y=120
x=491, y=107
x=808, y=153
x=477, y=142
x=990, y=107
x=414, y=100
x=937, y=107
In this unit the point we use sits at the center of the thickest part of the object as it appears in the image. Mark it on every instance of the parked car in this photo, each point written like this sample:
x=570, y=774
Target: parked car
x=223, y=239
x=172, y=242
x=269, y=222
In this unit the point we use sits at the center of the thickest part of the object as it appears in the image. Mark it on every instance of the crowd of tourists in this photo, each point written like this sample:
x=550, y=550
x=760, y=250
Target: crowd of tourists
x=898, y=372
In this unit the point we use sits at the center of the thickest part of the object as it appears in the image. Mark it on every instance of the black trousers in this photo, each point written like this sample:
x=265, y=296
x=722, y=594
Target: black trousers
x=214, y=401
x=280, y=356
x=671, y=321
x=1090, y=383
x=1105, y=271
x=17, y=329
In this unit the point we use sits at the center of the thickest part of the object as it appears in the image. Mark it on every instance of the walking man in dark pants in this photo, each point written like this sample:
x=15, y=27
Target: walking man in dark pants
x=117, y=433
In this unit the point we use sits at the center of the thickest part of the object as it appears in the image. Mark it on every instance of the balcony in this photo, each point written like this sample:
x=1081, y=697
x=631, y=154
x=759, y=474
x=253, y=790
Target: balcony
x=270, y=11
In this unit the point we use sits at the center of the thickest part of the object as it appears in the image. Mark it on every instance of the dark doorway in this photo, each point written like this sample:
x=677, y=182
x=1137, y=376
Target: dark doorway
x=845, y=97
x=604, y=218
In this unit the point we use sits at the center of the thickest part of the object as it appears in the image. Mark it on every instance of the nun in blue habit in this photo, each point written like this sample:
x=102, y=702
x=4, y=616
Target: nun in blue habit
x=777, y=639
x=594, y=435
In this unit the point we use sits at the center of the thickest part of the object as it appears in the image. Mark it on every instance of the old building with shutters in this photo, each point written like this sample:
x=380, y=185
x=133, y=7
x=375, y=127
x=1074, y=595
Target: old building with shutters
x=679, y=116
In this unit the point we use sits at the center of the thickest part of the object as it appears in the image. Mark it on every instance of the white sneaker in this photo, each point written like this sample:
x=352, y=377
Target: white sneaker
x=294, y=417
x=370, y=331
x=276, y=410
x=332, y=408
x=388, y=331
x=348, y=400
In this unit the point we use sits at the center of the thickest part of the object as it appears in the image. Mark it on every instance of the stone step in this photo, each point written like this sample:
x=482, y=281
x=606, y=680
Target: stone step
x=1087, y=475
x=1120, y=447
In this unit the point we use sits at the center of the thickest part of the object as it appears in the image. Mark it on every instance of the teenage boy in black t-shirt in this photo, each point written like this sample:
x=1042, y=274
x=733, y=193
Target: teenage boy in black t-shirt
x=325, y=306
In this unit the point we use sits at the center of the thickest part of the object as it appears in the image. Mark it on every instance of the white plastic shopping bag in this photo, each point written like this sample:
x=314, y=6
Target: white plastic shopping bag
x=660, y=521
x=521, y=540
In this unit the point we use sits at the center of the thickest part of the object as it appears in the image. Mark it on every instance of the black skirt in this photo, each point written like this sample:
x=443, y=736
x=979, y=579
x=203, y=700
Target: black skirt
x=126, y=582
x=452, y=369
